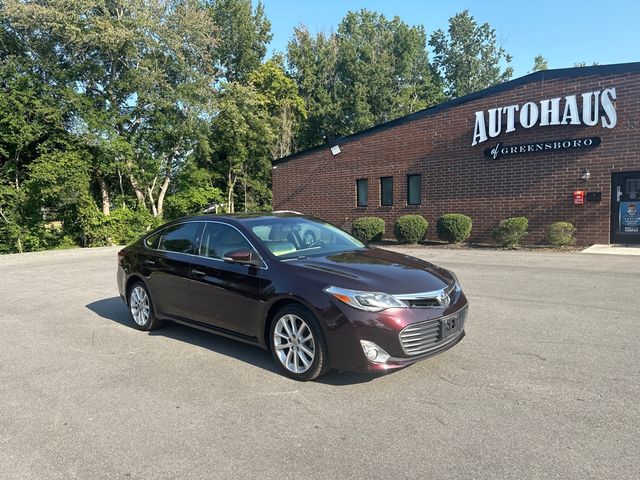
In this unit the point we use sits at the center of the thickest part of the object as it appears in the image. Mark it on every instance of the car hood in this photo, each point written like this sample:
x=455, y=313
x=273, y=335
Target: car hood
x=373, y=269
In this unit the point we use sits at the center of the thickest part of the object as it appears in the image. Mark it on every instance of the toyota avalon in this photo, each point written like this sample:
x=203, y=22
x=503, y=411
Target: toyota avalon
x=315, y=302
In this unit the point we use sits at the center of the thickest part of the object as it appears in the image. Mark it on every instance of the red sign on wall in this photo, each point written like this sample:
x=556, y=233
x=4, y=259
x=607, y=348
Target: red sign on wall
x=578, y=197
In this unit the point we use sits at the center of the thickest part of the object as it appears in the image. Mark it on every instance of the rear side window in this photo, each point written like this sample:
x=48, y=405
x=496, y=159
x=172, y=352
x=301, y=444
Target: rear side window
x=179, y=238
x=152, y=241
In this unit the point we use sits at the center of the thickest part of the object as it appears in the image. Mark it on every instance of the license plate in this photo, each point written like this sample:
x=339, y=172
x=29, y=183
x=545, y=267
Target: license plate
x=451, y=325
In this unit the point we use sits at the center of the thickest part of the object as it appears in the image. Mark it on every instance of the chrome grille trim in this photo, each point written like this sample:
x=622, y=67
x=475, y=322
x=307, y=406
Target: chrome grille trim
x=422, y=337
x=435, y=299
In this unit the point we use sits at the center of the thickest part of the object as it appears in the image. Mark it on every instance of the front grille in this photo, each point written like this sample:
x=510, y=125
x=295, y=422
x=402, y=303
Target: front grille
x=435, y=299
x=420, y=337
x=424, y=336
x=422, y=302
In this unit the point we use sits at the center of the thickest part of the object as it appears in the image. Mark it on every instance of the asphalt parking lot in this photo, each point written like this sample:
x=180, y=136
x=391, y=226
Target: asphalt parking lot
x=545, y=385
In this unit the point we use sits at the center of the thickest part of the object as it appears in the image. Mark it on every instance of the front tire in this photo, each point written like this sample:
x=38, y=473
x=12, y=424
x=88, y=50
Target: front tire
x=297, y=343
x=141, y=308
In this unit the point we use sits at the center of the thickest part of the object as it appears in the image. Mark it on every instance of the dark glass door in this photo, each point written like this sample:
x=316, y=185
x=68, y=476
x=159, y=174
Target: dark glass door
x=625, y=207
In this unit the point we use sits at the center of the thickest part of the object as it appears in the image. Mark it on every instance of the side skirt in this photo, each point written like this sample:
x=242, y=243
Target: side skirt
x=217, y=331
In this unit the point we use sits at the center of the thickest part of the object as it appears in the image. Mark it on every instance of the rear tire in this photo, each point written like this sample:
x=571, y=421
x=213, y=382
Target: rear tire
x=141, y=308
x=297, y=343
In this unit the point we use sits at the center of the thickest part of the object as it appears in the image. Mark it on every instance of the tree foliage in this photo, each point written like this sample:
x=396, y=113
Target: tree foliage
x=138, y=74
x=468, y=56
x=539, y=63
x=241, y=134
x=370, y=71
x=284, y=106
x=243, y=38
x=312, y=64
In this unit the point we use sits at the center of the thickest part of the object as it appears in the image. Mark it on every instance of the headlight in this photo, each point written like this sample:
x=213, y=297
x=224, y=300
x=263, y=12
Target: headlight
x=367, y=301
x=455, y=278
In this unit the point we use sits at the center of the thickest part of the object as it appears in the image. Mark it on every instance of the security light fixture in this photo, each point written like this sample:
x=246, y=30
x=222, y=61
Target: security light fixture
x=335, y=150
x=586, y=175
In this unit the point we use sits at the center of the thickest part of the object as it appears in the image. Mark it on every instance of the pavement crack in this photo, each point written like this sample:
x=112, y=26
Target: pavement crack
x=532, y=355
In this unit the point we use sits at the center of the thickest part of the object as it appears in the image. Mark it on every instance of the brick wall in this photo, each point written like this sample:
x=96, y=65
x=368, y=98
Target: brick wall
x=458, y=178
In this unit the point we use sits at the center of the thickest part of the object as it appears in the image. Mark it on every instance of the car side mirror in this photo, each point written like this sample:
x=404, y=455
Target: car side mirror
x=244, y=256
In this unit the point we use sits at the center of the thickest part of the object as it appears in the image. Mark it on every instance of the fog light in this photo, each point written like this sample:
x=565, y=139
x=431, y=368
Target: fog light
x=373, y=352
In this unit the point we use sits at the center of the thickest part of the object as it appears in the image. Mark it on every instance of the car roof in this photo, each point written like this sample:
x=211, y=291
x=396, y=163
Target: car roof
x=240, y=217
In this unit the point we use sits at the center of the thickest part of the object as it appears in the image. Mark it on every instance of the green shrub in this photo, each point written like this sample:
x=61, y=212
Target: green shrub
x=453, y=227
x=368, y=229
x=511, y=231
x=560, y=234
x=410, y=228
x=122, y=226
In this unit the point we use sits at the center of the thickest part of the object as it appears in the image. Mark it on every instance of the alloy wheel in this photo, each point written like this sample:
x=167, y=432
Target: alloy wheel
x=139, y=305
x=294, y=343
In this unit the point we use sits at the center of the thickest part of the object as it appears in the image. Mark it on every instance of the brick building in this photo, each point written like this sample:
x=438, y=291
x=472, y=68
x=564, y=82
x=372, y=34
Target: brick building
x=556, y=145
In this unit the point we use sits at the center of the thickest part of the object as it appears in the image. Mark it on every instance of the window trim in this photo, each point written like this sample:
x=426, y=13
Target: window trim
x=409, y=175
x=357, y=193
x=199, y=240
x=382, y=204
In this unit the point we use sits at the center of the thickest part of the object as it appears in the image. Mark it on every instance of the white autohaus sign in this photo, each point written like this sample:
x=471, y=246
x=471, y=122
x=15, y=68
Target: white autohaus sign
x=595, y=108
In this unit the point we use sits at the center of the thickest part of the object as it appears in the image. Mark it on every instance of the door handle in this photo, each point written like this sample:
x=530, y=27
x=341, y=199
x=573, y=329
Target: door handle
x=618, y=194
x=149, y=262
x=198, y=273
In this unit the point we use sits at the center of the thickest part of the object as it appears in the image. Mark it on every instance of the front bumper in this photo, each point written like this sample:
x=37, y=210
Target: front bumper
x=383, y=328
x=394, y=363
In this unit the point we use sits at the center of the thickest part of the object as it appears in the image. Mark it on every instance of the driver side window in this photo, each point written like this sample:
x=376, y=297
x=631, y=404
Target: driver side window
x=219, y=239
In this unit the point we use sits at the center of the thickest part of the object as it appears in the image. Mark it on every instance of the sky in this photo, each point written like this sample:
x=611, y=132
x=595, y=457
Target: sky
x=564, y=32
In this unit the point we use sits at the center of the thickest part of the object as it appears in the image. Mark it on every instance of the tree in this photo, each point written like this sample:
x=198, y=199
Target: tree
x=243, y=39
x=539, y=63
x=382, y=70
x=140, y=76
x=32, y=122
x=370, y=71
x=312, y=64
x=58, y=202
x=284, y=106
x=468, y=56
x=240, y=139
x=584, y=64
x=193, y=191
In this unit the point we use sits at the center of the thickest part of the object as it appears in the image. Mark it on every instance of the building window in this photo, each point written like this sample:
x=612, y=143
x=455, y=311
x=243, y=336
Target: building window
x=414, y=189
x=386, y=191
x=362, y=188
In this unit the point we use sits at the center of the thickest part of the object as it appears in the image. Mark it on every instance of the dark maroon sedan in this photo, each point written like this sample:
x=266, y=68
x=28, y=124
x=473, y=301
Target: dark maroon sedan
x=313, y=295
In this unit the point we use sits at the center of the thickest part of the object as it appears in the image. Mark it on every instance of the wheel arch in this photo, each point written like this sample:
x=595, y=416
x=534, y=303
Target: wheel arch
x=134, y=278
x=277, y=305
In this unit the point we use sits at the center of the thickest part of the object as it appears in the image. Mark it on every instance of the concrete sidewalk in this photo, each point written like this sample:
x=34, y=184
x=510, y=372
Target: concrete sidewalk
x=615, y=249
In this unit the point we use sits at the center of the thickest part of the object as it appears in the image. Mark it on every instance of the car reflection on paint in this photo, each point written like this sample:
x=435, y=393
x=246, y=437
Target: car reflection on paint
x=316, y=304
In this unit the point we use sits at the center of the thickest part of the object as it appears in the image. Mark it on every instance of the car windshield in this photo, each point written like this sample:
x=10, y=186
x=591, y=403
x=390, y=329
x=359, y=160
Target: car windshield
x=293, y=237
